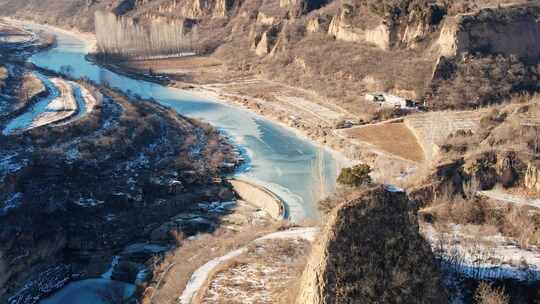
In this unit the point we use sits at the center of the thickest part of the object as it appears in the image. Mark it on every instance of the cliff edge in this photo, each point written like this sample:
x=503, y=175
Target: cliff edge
x=371, y=251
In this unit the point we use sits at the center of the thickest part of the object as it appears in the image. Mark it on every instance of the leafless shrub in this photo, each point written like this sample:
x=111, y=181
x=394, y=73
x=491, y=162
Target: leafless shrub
x=520, y=224
x=487, y=294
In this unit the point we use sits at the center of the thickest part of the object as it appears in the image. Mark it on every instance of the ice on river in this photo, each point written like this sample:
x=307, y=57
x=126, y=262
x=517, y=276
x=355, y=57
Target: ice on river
x=91, y=291
x=24, y=120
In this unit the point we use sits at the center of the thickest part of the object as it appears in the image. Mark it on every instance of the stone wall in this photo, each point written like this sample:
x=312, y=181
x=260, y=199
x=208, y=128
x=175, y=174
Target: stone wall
x=260, y=197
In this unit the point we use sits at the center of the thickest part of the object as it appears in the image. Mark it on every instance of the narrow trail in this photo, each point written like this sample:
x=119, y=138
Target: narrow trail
x=200, y=276
x=512, y=199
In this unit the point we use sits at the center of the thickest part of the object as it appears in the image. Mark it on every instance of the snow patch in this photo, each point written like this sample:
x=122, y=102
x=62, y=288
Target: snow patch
x=88, y=202
x=483, y=257
x=12, y=203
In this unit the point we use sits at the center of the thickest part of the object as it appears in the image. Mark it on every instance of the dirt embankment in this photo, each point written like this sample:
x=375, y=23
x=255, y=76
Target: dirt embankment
x=260, y=197
x=371, y=251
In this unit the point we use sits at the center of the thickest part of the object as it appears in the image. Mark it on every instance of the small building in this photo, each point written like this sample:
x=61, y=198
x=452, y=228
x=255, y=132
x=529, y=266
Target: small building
x=391, y=101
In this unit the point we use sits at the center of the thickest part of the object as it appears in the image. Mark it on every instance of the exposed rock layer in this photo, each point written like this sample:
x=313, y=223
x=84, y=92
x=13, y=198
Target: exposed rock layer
x=507, y=31
x=532, y=177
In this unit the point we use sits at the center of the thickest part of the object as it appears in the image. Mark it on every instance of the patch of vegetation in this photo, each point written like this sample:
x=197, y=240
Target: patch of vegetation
x=481, y=80
x=356, y=176
x=487, y=294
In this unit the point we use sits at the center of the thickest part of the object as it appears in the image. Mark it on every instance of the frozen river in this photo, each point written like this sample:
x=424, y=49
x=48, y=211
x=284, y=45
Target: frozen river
x=297, y=170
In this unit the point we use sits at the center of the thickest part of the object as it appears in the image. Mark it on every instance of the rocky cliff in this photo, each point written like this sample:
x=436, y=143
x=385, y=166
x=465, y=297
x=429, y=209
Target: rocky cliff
x=370, y=251
x=511, y=30
x=532, y=177
x=268, y=38
x=405, y=28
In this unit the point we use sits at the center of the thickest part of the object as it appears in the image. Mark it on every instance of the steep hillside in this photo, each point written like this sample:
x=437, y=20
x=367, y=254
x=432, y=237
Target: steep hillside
x=78, y=13
x=370, y=251
x=343, y=49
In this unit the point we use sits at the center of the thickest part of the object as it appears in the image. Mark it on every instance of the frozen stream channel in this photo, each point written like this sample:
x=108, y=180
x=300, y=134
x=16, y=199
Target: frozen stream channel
x=290, y=166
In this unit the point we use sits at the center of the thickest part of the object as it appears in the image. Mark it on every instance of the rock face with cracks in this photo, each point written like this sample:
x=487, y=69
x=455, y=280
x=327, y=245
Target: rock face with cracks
x=371, y=252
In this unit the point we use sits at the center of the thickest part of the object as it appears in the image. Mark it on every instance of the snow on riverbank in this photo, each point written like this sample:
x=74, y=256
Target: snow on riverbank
x=481, y=256
x=24, y=120
x=58, y=105
x=67, y=102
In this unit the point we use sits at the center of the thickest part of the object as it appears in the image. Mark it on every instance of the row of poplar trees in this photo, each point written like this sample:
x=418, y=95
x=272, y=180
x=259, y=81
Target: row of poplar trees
x=121, y=36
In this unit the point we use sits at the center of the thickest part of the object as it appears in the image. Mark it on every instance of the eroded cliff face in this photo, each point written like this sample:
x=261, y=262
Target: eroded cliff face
x=506, y=31
x=194, y=9
x=357, y=23
x=371, y=251
x=344, y=30
x=532, y=176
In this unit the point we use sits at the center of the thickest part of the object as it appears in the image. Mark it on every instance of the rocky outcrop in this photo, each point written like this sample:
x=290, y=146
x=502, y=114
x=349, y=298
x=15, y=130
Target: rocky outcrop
x=371, y=251
x=195, y=9
x=406, y=30
x=532, y=177
x=266, y=42
x=264, y=19
x=507, y=31
x=345, y=31
x=263, y=47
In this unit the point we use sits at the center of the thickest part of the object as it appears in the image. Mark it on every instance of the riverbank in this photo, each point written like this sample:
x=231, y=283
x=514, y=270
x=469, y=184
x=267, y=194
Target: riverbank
x=337, y=150
x=260, y=197
x=89, y=39
x=302, y=112
x=213, y=92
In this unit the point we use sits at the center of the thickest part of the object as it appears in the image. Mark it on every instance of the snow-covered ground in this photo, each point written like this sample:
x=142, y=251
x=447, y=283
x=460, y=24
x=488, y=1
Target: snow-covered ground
x=200, y=276
x=86, y=102
x=61, y=108
x=475, y=254
x=261, y=276
x=9, y=163
x=11, y=203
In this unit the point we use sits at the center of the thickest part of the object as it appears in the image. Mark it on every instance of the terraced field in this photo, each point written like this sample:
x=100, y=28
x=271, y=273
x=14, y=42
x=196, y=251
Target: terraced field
x=431, y=129
x=391, y=138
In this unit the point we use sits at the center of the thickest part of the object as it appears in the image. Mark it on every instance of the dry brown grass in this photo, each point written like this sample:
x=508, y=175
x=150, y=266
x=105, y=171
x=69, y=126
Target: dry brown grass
x=394, y=138
x=521, y=225
x=176, y=63
x=191, y=69
x=31, y=85
x=271, y=267
x=176, y=269
x=486, y=294
x=511, y=221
